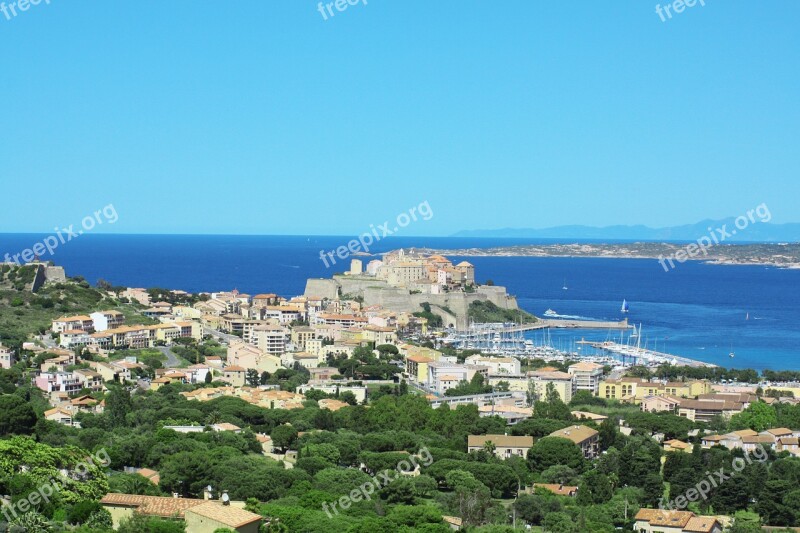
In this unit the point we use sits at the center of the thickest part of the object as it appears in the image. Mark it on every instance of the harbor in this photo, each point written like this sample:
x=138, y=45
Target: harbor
x=509, y=339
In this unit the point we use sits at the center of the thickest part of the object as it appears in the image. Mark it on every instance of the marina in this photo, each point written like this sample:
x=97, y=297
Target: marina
x=509, y=339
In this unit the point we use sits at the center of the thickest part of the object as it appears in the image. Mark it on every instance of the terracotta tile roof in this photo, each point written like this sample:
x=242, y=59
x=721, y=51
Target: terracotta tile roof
x=233, y=517
x=73, y=318
x=657, y=517
x=500, y=441
x=675, y=443
x=557, y=375
x=555, y=488
x=331, y=404
x=779, y=432
x=588, y=415
x=576, y=434
x=163, y=506
x=226, y=426
x=758, y=439
x=701, y=524
x=57, y=410
x=585, y=366
x=234, y=368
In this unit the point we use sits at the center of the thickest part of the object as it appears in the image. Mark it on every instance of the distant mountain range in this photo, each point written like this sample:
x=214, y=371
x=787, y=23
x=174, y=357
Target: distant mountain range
x=754, y=232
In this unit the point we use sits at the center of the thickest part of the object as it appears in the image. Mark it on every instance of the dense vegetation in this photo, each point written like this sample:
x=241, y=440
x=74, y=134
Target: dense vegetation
x=486, y=311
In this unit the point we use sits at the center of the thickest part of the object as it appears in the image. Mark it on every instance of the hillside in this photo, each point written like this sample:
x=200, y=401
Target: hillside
x=486, y=311
x=23, y=313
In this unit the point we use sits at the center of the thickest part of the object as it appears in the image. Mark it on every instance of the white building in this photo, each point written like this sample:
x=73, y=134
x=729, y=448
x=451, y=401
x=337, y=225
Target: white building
x=443, y=376
x=270, y=339
x=586, y=376
x=74, y=337
x=103, y=320
x=496, y=365
x=6, y=357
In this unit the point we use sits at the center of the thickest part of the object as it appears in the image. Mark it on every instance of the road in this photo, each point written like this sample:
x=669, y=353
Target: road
x=172, y=359
x=223, y=336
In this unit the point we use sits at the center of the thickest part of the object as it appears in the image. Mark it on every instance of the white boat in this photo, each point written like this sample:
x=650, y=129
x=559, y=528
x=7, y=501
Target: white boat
x=565, y=284
x=625, y=307
x=550, y=312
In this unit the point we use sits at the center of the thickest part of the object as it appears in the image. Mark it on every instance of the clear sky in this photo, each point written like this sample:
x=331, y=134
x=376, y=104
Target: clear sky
x=263, y=117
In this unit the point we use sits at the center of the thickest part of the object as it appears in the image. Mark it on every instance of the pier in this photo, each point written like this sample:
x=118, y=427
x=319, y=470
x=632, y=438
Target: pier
x=641, y=356
x=544, y=323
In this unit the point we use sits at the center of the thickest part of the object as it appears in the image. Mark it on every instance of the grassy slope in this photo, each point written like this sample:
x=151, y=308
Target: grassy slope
x=485, y=311
x=23, y=313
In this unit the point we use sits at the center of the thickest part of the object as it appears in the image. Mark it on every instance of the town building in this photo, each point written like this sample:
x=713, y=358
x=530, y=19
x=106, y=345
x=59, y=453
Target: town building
x=663, y=521
x=496, y=365
x=69, y=323
x=103, y=320
x=561, y=382
x=6, y=357
x=587, y=439
x=504, y=446
x=270, y=339
x=660, y=404
x=634, y=390
x=586, y=376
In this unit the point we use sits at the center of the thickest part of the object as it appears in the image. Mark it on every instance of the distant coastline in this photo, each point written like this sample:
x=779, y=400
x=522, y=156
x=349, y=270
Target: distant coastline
x=776, y=255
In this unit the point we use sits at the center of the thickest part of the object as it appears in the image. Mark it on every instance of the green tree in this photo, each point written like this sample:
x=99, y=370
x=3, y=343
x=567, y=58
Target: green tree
x=758, y=417
x=771, y=505
x=133, y=484
x=348, y=397
x=424, y=485
x=608, y=433
x=550, y=451
x=284, y=436
x=595, y=488
x=118, y=405
x=399, y=491
x=186, y=473
x=561, y=474
x=252, y=378
x=16, y=416
x=139, y=523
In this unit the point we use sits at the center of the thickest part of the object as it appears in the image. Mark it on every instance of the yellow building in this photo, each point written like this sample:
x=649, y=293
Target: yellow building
x=408, y=350
x=561, y=381
x=212, y=516
x=417, y=368
x=794, y=390
x=636, y=389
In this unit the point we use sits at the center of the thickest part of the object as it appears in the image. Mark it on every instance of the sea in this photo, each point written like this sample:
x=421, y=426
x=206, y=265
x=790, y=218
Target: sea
x=697, y=310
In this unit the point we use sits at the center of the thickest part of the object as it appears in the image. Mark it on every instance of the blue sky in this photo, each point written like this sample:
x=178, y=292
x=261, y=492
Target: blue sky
x=262, y=117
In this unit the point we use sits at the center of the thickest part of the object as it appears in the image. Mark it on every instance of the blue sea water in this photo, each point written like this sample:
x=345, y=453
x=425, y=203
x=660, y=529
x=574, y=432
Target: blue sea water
x=696, y=310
